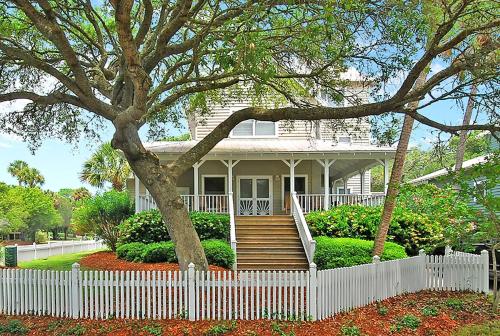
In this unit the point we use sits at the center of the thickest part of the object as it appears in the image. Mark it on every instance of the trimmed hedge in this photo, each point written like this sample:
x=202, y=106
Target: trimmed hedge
x=218, y=252
x=345, y=252
x=148, y=227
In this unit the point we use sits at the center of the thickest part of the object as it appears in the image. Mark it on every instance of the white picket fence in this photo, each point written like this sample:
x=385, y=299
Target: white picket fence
x=232, y=295
x=52, y=248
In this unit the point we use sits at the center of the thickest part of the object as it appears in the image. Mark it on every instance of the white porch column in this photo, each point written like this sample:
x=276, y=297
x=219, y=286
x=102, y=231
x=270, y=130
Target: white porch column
x=386, y=175
x=196, y=185
x=229, y=176
x=362, y=180
x=292, y=176
x=326, y=184
x=344, y=180
x=137, y=198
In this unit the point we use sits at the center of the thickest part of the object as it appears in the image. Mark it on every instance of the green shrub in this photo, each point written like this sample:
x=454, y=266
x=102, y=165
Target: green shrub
x=159, y=252
x=131, y=251
x=41, y=237
x=148, y=227
x=218, y=253
x=211, y=225
x=145, y=227
x=407, y=322
x=345, y=252
x=14, y=327
x=350, y=331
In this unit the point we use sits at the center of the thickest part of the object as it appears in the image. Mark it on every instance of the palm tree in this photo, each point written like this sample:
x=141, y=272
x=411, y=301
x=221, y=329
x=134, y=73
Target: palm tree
x=106, y=165
x=17, y=170
x=25, y=175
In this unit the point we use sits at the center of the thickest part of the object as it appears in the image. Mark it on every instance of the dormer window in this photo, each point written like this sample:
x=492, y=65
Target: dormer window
x=255, y=129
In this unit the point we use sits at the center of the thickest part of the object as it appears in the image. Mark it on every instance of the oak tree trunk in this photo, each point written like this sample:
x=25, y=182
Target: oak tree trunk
x=396, y=175
x=459, y=158
x=162, y=186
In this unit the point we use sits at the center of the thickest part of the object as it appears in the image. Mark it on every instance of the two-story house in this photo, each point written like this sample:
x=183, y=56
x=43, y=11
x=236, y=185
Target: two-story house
x=266, y=175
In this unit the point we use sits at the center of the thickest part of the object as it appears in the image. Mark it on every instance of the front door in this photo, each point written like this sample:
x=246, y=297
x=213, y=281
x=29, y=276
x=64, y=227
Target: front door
x=254, y=196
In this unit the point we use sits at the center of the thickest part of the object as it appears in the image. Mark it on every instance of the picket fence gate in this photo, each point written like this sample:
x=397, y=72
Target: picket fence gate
x=226, y=295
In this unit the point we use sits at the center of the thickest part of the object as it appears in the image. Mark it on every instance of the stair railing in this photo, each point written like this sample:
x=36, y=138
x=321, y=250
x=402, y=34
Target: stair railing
x=232, y=231
x=305, y=236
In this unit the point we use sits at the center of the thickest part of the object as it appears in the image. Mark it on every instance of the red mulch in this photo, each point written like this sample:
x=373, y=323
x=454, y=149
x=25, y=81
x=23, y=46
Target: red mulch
x=14, y=242
x=108, y=261
x=476, y=309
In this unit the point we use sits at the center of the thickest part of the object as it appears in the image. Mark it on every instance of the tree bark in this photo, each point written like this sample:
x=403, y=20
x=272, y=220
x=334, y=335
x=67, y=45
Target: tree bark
x=161, y=184
x=396, y=175
x=459, y=159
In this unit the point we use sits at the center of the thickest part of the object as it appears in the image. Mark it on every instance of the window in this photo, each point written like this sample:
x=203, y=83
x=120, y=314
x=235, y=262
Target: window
x=344, y=140
x=254, y=128
x=341, y=191
x=214, y=185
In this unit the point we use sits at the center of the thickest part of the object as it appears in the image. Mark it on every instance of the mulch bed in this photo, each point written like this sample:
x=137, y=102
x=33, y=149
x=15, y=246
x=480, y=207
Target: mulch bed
x=107, y=261
x=452, y=311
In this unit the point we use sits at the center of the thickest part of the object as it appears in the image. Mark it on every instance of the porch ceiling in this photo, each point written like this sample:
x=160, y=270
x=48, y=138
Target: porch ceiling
x=348, y=168
x=275, y=149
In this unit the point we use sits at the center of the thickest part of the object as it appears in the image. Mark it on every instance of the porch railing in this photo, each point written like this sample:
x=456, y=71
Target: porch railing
x=305, y=236
x=315, y=202
x=232, y=224
x=206, y=203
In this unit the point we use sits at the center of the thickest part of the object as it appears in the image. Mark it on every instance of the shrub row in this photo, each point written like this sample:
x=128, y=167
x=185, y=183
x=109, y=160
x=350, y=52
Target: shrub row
x=148, y=227
x=345, y=252
x=218, y=252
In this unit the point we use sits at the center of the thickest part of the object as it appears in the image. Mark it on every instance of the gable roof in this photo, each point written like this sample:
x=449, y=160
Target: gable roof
x=446, y=171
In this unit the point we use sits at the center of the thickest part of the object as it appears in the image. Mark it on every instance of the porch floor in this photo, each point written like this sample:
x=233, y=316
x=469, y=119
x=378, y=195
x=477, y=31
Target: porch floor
x=269, y=243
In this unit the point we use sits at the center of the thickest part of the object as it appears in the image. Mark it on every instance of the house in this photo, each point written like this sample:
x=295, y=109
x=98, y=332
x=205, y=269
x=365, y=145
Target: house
x=266, y=175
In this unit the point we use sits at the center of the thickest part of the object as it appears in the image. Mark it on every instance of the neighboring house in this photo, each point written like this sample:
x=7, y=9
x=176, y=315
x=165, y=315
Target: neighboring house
x=439, y=176
x=261, y=165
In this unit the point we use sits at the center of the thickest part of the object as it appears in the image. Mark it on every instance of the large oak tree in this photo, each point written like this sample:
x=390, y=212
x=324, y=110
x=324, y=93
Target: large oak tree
x=141, y=63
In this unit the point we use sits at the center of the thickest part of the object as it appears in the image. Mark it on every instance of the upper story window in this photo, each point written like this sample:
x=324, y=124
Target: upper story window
x=255, y=128
x=344, y=140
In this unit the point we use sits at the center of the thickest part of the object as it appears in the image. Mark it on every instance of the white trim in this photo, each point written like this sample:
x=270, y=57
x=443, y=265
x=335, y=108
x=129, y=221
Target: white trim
x=254, y=191
x=283, y=186
x=212, y=175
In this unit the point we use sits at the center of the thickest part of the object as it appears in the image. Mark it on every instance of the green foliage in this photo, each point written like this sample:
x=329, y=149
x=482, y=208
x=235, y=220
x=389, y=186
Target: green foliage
x=102, y=214
x=14, y=327
x=421, y=214
x=130, y=251
x=350, y=331
x=106, y=165
x=345, y=252
x=41, y=237
x=159, y=252
x=382, y=310
x=148, y=227
x=409, y=321
x=25, y=175
x=430, y=311
x=221, y=328
x=56, y=263
x=210, y=225
x=153, y=329
x=181, y=137
x=488, y=328
x=27, y=210
x=218, y=252
x=455, y=304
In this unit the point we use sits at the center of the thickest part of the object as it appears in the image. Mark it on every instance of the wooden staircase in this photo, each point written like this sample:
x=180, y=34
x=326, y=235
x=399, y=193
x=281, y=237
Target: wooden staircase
x=269, y=243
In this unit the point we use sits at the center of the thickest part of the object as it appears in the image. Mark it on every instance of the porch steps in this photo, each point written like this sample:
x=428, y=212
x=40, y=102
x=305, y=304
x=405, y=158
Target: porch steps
x=269, y=243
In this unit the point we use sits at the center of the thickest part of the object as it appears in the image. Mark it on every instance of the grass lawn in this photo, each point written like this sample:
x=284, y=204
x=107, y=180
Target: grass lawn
x=57, y=263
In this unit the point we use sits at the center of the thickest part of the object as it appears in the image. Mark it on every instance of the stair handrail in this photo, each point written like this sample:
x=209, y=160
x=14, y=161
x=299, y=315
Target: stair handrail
x=232, y=224
x=305, y=235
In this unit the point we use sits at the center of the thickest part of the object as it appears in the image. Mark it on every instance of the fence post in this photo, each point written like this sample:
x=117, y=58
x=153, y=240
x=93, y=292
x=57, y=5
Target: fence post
x=376, y=285
x=423, y=276
x=34, y=250
x=191, y=306
x=313, y=283
x=486, y=271
x=48, y=249
x=447, y=250
x=75, y=290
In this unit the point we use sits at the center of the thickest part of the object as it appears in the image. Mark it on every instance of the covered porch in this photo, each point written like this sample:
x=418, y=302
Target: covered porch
x=260, y=181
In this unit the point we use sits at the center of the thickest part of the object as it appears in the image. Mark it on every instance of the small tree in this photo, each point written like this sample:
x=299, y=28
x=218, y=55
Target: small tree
x=102, y=214
x=476, y=184
x=25, y=175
